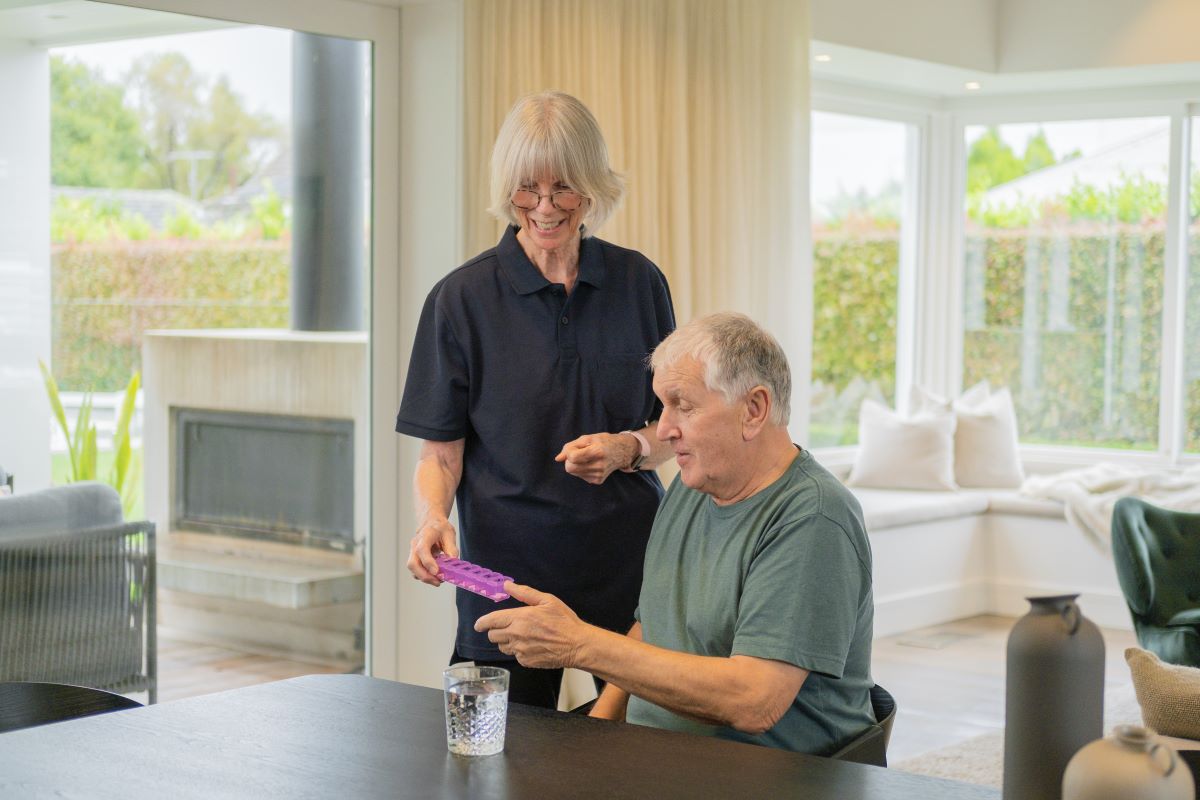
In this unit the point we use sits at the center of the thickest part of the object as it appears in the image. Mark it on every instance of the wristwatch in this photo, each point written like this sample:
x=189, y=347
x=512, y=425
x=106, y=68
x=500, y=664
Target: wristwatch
x=643, y=453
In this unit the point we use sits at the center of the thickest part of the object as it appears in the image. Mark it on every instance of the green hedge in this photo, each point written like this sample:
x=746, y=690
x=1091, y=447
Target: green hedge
x=106, y=295
x=1078, y=375
x=1054, y=362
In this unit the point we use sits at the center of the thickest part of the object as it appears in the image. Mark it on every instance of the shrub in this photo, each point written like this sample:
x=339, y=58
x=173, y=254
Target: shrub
x=106, y=295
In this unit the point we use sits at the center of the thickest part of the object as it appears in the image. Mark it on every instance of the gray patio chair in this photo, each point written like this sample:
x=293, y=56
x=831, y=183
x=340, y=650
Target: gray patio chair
x=77, y=591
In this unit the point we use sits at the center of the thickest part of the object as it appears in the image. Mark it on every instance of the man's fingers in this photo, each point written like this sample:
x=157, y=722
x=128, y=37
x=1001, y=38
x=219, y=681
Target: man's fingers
x=494, y=621
x=526, y=594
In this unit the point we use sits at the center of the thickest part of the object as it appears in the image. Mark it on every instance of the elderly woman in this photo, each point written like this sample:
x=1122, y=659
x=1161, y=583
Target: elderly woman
x=520, y=351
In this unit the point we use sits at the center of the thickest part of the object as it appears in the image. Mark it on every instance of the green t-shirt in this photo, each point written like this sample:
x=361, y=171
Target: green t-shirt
x=784, y=574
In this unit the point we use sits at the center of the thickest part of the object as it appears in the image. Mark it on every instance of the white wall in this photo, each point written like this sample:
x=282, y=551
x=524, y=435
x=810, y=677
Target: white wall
x=957, y=32
x=432, y=186
x=24, y=263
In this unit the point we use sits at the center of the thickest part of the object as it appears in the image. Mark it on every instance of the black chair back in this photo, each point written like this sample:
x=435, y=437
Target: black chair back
x=26, y=704
x=870, y=746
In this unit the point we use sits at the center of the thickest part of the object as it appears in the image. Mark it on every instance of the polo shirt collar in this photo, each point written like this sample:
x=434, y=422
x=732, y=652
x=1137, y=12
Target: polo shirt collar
x=527, y=279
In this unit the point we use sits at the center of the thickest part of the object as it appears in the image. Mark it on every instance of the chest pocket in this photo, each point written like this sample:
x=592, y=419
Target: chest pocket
x=621, y=382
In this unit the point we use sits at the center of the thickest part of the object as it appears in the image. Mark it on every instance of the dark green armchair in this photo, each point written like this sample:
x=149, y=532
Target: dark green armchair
x=1157, y=555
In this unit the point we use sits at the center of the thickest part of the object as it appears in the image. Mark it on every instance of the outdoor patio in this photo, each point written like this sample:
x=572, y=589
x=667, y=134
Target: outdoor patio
x=188, y=669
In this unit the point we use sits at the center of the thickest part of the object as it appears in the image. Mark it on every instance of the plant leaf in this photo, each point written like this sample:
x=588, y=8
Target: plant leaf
x=87, y=460
x=82, y=426
x=57, y=408
x=120, y=465
x=127, y=405
x=133, y=479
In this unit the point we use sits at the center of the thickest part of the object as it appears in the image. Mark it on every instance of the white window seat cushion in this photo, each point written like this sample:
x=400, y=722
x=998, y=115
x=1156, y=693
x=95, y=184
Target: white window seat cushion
x=891, y=508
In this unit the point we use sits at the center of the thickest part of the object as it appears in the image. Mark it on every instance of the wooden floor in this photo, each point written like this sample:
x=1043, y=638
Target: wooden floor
x=187, y=669
x=948, y=680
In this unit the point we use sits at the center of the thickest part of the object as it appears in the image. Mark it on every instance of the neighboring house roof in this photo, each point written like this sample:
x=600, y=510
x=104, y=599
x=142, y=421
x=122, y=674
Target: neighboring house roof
x=1145, y=154
x=155, y=205
x=276, y=176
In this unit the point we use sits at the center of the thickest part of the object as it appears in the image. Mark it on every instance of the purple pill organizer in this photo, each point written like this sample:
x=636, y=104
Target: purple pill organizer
x=472, y=577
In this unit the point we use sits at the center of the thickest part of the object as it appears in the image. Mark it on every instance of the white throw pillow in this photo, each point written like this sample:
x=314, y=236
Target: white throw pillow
x=985, y=439
x=896, y=452
x=985, y=442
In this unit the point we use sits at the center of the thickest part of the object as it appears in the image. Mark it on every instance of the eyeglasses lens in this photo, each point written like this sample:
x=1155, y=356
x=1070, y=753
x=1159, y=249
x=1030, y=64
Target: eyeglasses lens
x=564, y=200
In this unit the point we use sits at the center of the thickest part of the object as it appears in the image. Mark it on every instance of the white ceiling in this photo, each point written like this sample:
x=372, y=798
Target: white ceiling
x=885, y=71
x=52, y=23
x=68, y=22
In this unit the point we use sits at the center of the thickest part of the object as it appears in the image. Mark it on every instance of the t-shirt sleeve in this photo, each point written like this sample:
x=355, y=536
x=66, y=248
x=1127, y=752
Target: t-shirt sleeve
x=435, y=399
x=800, y=602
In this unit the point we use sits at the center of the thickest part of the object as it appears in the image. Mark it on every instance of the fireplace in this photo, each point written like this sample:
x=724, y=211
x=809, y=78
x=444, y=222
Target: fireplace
x=269, y=476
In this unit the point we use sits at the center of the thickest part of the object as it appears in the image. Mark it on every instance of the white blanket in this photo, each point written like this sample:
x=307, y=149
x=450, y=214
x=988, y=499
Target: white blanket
x=1089, y=494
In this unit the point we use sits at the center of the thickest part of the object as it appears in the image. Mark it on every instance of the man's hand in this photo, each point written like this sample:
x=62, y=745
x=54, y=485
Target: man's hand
x=436, y=535
x=546, y=634
x=594, y=456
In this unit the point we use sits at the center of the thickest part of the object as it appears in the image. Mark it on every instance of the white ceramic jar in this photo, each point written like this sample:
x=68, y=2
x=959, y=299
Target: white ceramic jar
x=1131, y=764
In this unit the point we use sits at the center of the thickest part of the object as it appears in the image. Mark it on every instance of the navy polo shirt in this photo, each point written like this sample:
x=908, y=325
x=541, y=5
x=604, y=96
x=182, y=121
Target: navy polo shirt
x=517, y=367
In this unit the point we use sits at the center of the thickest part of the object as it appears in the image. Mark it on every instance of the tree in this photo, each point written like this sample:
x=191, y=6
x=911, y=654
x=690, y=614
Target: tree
x=94, y=139
x=1038, y=153
x=202, y=141
x=991, y=162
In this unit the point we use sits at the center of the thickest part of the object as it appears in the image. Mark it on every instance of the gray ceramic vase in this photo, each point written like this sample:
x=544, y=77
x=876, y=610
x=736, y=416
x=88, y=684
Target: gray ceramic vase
x=1054, y=696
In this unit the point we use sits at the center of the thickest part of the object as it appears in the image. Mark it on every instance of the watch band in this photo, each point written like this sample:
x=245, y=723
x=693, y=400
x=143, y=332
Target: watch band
x=643, y=452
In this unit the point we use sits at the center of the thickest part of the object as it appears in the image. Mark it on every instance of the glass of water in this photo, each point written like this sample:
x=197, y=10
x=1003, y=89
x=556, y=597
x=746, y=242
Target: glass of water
x=476, y=709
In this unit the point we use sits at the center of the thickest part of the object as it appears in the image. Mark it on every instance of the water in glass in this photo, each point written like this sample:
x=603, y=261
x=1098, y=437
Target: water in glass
x=475, y=717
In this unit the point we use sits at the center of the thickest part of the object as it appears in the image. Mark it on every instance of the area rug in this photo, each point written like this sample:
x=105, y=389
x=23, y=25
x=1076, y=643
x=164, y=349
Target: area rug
x=981, y=760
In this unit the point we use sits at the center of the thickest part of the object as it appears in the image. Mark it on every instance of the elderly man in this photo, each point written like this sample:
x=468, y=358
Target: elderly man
x=755, y=614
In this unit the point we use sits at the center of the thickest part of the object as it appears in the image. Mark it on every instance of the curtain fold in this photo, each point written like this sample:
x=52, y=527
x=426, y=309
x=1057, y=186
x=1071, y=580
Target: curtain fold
x=704, y=105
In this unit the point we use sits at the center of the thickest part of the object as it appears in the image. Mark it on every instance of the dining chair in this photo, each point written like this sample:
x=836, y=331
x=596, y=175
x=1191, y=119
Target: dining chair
x=870, y=746
x=26, y=704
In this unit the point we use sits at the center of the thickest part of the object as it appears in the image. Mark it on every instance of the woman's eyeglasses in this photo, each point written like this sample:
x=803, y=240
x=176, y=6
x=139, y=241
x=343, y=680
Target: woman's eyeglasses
x=562, y=199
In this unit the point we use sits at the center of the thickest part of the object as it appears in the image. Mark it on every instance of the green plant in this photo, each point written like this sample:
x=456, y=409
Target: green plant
x=125, y=472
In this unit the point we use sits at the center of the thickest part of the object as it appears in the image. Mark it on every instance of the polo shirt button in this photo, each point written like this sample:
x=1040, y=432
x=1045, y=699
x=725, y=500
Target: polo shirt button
x=564, y=320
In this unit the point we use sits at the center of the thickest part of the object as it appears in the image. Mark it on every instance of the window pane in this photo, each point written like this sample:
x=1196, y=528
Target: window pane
x=1191, y=353
x=1063, y=275
x=858, y=180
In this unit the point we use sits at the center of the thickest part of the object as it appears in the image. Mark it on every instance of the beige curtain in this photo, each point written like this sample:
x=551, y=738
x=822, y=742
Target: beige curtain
x=704, y=105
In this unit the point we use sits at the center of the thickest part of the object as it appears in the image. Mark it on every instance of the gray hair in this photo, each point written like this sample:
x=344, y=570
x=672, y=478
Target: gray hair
x=554, y=133
x=737, y=355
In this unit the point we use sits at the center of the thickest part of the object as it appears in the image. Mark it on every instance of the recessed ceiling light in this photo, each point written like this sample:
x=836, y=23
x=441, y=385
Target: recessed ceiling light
x=972, y=86
x=824, y=58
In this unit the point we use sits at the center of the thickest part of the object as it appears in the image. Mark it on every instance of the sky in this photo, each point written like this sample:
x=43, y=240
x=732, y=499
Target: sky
x=257, y=61
x=851, y=153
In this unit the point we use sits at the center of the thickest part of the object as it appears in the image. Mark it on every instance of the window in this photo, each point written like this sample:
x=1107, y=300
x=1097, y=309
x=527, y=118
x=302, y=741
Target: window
x=859, y=183
x=1191, y=353
x=1063, y=276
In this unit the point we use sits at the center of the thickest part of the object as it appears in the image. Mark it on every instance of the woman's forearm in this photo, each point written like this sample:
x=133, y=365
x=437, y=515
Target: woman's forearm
x=438, y=473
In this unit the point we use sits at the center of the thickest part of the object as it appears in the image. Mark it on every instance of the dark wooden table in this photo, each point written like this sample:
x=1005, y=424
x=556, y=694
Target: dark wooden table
x=347, y=736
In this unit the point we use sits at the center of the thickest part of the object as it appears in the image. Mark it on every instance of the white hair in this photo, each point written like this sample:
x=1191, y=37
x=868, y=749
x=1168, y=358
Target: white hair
x=737, y=354
x=553, y=133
